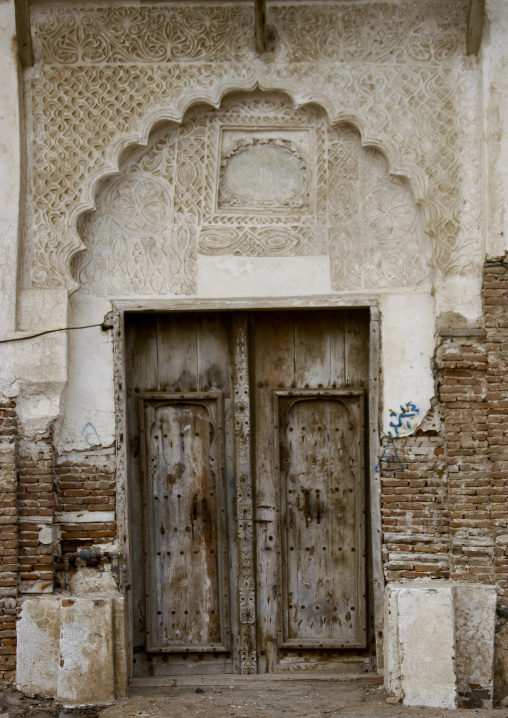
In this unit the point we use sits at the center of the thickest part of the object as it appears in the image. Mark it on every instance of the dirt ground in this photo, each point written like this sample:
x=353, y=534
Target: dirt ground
x=296, y=700
x=293, y=700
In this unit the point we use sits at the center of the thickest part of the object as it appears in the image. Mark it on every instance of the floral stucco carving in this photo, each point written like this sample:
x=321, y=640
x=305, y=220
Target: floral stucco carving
x=152, y=221
x=106, y=76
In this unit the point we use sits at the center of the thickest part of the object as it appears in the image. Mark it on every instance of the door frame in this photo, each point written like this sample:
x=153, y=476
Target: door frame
x=374, y=539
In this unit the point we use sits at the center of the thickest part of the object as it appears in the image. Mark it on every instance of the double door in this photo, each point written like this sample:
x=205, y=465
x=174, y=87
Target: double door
x=247, y=491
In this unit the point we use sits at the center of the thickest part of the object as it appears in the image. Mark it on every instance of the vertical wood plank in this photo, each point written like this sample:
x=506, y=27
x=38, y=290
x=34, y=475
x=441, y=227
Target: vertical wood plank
x=312, y=349
x=375, y=555
x=244, y=495
x=141, y=375
x=213, y=365
x=337, y=350
x=141, y=341
x=177, y=349
x=357, y=358
x=274, y=368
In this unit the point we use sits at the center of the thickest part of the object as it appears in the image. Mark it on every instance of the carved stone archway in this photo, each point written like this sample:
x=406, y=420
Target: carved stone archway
x=255, y=177
x=414, y=103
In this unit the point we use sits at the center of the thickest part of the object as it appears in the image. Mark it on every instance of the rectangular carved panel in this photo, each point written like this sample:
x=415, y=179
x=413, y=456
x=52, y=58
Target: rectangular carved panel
x=320, y=445
x=185, y=526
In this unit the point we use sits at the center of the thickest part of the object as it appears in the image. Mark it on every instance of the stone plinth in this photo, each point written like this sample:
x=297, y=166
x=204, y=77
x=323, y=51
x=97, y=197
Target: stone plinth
x=439, y=643
x=68, y=649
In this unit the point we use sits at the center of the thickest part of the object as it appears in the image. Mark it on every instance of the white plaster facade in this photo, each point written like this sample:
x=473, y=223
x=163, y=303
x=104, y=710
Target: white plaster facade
x=449, y=146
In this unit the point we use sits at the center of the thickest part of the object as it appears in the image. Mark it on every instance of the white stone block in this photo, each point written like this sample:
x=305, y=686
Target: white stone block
x=120, y=653
x=85, y=672
x=426, y=626
x=475, y=624
x=237, y=276
x=391, y=642
x=439, y=643
x=38, y=636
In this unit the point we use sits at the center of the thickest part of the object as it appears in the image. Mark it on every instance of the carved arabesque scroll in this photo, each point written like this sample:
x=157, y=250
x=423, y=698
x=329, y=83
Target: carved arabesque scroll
x=397, y=71
x=173, y=200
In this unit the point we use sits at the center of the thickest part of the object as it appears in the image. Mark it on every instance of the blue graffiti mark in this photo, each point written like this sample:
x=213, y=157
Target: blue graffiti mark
x=90, y=434
x=390, y=457
x=403, y=418
x=401, y=421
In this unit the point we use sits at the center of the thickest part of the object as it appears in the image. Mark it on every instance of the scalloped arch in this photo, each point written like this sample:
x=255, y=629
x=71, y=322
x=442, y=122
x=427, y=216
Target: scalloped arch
x=214, y=98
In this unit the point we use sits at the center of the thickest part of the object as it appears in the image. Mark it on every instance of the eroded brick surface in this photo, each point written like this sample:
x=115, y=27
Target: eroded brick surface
x=8, y=539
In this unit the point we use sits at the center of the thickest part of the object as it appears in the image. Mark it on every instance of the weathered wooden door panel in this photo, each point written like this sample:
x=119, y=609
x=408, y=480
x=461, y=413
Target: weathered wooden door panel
x=321, y=529
x=226, y=411
x=182, y=493
x=186, y=567
x=309, y=373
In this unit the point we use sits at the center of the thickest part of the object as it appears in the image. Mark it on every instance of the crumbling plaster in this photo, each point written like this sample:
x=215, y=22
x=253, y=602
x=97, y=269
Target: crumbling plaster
x=33, y=371
x=494, y=58
x=9, y=167
x=87, y=415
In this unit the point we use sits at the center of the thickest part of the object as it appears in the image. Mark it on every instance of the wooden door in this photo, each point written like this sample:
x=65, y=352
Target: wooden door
x=247, y=491
x=182, y=490
x=310, y=372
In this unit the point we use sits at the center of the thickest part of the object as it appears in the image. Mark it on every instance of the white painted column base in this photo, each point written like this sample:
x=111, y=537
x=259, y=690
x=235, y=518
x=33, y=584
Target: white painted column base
x=439, y=643
x=68, y=649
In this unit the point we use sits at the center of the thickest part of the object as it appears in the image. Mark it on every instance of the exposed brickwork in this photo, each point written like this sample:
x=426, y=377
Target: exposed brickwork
x=86, y=482
x=463, y=391
x=468, y=532
x=8, y=538
x=85, y=486
x=35, y=510
x=415, y=509
x=495, y=298
x=87, y=533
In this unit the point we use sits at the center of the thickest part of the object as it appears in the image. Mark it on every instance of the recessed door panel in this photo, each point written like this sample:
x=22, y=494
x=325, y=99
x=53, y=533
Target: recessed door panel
x=187, y=605
x=321, y=529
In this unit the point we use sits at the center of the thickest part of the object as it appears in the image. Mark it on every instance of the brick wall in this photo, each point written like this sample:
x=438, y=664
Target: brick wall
x=495, y=298
x=35, y=488
x=445, y=499
x=415, y=508
x=35, y=511
x=463, y=362
x=8, y=538
x=85, y=484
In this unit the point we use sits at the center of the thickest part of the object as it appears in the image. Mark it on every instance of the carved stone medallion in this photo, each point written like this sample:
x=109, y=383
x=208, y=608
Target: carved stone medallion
x=264, y=173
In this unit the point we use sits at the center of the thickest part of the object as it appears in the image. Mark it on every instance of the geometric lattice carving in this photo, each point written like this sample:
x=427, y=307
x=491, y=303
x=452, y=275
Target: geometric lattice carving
x=105, y=76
